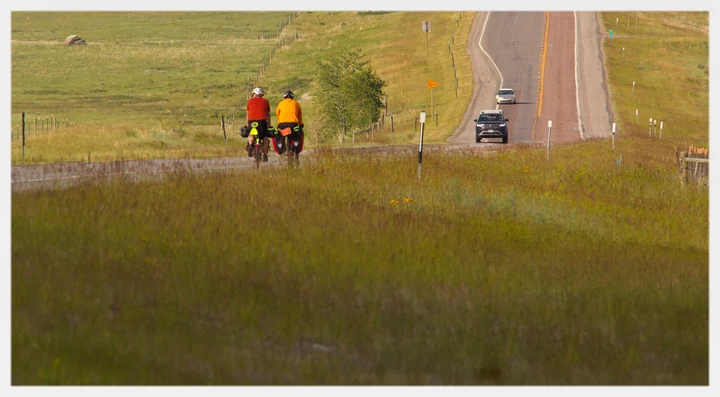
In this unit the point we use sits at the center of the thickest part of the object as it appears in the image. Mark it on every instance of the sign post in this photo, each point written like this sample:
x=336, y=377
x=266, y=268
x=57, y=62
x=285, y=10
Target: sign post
x=23, y=136
x=426, y=29
x=431, y=85
x=422, y=130
x=548, y=142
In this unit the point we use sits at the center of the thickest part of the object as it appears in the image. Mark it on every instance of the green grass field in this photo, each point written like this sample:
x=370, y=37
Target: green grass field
x=163, y=93
x=667, y=57
x=572, y=271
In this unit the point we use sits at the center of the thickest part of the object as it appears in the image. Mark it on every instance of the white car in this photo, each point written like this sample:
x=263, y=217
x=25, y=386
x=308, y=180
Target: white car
x=505, y=95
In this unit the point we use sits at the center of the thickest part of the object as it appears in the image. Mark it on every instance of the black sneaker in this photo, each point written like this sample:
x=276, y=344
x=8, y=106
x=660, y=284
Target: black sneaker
x=250, y=150
x=265, y=158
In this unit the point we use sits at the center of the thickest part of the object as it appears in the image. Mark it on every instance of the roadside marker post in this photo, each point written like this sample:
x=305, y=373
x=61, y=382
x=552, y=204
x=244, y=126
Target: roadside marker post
x=613, y=138
x=655, y=127
x=426, y=29
x=661, y=127
x=650, y=130
x=422, y=130
x=23, y=136
x=623, y=53
x=548, y=141
x=633, y=91
x=222, y=125
x=636, y=116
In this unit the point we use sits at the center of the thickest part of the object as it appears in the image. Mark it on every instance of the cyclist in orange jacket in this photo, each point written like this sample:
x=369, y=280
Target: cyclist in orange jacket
x=289, y=116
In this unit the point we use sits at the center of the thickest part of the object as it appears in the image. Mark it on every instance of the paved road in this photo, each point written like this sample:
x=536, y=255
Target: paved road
x=514, y=40
x=507, y=47
x=486, y=80
x=559, y=94
x=596, y=113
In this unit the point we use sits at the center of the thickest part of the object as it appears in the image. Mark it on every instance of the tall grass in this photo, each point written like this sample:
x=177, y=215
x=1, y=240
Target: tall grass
x=497, y=268
x=349, y=271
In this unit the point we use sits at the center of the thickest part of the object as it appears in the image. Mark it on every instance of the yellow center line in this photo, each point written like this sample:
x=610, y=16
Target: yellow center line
x=542, y=67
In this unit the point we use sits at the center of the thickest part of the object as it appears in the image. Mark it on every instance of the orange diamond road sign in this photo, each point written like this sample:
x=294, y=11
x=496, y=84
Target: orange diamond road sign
x=432, y=84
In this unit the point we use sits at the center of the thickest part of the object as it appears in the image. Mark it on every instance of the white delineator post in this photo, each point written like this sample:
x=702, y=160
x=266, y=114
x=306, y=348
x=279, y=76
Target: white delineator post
x=613, y=138
x=633, y=90
x=655, y=127
x=650, y=130
x=548, y=141
x=422, y=130
x=636, y=116
x=661, y=127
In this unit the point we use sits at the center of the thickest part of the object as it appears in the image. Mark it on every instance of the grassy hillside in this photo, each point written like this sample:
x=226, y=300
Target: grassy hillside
x=667, y=56
x=396, y=47
x=154, y=85
x=138, y=67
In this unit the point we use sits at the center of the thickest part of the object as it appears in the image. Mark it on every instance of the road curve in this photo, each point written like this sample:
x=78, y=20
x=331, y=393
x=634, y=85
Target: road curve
x=486, y=80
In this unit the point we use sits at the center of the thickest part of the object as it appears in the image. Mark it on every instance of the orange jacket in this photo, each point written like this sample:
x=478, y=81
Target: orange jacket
x=288, y=111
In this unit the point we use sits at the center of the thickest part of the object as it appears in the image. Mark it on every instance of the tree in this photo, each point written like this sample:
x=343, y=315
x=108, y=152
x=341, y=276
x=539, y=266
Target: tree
x=351, y=93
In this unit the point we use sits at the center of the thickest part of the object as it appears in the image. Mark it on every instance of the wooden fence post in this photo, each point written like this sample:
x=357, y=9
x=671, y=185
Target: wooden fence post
x=23, y=136
x=222, y=124
x=683, y=157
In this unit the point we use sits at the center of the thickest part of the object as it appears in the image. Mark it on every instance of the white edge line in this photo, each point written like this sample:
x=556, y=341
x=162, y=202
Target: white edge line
x=497, y=106
x=577, y=88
